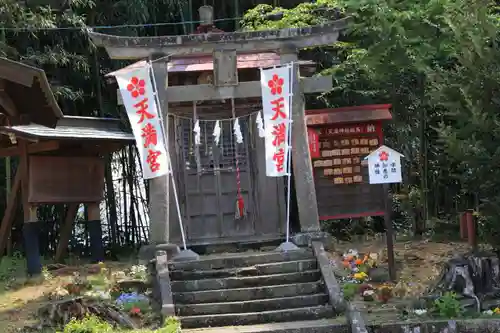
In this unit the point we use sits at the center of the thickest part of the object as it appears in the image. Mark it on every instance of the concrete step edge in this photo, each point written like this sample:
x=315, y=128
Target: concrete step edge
x=272, y=256
x=284, y=327
x=285, y=285
x=179, y=286
x=284, y=315
x=243, y=294
x=264, y=304
x=240, y=270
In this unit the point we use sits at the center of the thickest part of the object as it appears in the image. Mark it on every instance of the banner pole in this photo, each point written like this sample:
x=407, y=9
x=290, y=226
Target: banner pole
x=287, y=245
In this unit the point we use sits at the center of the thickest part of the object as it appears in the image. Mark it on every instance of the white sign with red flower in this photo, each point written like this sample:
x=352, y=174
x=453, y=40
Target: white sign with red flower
x=139, y=100
x=275, y=84
x=384, y=166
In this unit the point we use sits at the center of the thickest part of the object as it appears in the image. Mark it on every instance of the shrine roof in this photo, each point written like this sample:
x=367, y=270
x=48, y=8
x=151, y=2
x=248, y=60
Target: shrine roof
x=71, y=127
x=131, y=47
x=349, y=114
x=25, y=91
x=206, y=63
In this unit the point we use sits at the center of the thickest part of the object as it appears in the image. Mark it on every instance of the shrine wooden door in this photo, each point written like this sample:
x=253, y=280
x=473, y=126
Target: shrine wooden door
x=210, y=183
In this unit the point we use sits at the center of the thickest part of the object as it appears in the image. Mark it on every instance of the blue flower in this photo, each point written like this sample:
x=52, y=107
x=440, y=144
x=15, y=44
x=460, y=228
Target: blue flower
x=130, y=298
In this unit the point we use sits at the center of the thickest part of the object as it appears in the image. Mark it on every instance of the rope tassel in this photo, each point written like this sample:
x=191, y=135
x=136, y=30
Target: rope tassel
x=240, y=212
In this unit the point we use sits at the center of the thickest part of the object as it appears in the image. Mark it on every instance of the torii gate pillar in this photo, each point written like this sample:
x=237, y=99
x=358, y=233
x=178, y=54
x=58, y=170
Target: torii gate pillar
x=224, y=47
x=301, y=159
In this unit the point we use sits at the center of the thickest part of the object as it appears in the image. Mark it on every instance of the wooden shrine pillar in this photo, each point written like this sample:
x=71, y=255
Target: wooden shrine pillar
x=301, y=158
x=31, y=225
x=95, y=232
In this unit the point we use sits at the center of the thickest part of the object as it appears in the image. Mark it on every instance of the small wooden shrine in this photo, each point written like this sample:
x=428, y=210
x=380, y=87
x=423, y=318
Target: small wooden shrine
x=60, y=158
x=208, y=173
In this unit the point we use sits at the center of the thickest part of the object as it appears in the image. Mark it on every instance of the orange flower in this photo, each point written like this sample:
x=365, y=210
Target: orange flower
x=349, y=258
x=358, y=261
x=346, y=263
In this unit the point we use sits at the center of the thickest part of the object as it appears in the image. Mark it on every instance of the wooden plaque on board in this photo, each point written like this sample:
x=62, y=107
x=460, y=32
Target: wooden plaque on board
x=340, y=172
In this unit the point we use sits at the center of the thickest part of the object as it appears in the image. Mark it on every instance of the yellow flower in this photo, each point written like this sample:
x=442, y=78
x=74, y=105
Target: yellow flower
x=360, y=276
x=497, y=310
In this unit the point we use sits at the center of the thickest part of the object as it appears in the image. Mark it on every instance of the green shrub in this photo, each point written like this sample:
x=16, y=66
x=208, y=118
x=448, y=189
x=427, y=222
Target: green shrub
x=171, y=325
x=448, y=306
x=89, y=324
x=350, y=290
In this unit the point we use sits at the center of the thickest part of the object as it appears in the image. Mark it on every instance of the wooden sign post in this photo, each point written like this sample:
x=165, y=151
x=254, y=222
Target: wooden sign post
x=339, y=139
x=384, y=167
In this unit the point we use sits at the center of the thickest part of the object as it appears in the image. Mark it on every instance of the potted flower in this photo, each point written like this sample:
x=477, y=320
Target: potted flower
x=360, y=276
x=367, y=292
x=384, y=293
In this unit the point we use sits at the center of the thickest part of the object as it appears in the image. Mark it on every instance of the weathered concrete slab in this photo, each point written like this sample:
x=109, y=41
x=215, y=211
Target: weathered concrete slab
x=163, y=283
x=309, y=326
x=244, y=294
x=240, y=260
x=332, y=286
x=306, y=238
x=263, y=269
x=355, y=320
x=308, y=313
x=252, y=305
x=245, y=282
x=336, y=325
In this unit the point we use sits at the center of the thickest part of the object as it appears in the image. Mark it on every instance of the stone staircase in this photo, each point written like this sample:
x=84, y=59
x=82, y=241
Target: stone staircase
x=252, y=289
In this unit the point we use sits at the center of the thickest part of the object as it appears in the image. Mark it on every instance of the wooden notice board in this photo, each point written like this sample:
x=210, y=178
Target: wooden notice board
x=340, y=171
x=62, y=179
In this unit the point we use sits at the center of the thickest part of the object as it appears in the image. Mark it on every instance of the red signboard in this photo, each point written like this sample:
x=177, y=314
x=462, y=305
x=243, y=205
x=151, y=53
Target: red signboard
x=339, y=140
x=313, y=137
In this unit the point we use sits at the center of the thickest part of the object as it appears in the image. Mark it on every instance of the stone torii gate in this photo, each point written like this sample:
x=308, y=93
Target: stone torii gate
x=224, y=48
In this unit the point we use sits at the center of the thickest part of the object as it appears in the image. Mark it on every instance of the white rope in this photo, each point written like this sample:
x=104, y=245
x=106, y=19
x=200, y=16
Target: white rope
x=169, y=162
x=214, y=120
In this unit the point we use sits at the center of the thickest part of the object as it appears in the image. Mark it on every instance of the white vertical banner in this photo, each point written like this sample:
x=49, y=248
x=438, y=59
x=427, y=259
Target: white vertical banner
x=275, y=84
x=139, y=100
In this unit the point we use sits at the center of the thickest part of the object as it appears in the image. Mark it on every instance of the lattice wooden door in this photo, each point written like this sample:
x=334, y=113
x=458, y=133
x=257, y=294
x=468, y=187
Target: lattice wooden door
x=210, y=182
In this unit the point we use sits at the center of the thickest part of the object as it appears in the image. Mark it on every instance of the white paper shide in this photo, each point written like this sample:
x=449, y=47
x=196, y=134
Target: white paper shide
x=384, y=166
x=275, y=85
x=138, y=97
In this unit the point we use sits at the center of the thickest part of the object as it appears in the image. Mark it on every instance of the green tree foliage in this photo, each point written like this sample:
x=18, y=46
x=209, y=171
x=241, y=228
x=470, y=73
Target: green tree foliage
x=437, y=63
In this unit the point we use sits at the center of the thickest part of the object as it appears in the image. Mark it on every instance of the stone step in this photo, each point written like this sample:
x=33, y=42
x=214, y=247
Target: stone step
x=245, y=294
x=242, y=282
x=310, y=326
x=240, y=260
x=251, y=306
x=255, y=270
x=251, y=318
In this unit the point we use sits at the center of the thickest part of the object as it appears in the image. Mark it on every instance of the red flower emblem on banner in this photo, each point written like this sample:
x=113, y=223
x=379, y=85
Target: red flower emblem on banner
x=383, y=156
x=136, y=87
x=276, y=84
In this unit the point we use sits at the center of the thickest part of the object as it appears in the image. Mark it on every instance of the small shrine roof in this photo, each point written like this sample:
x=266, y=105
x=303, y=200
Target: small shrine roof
x=349, y=114
x=71, y=128
x=25, y=91
x=206, y=63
